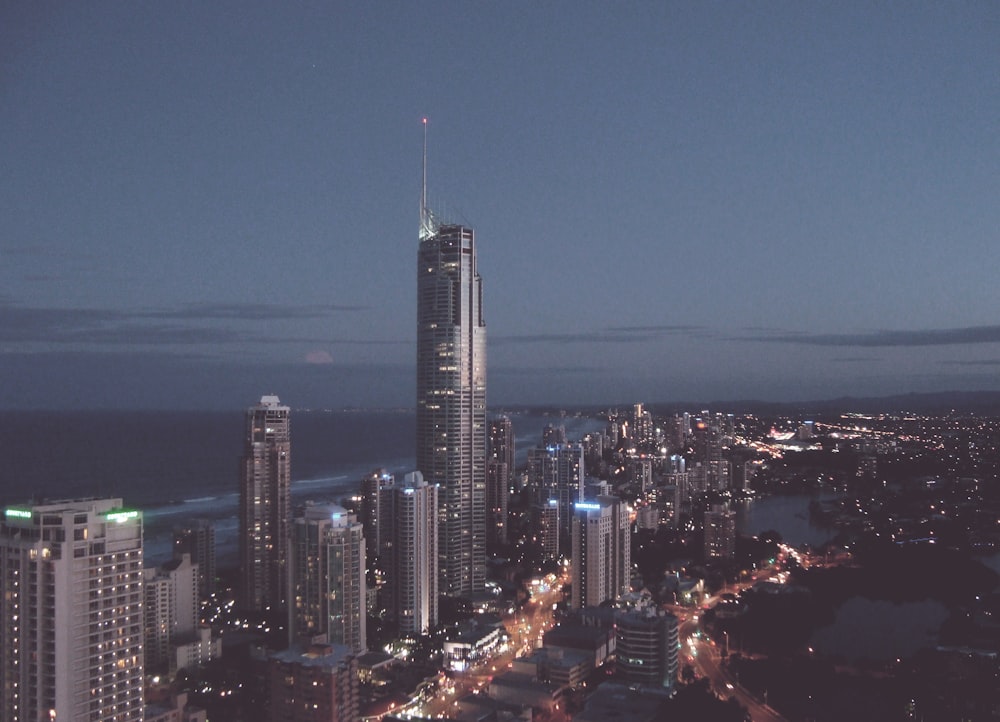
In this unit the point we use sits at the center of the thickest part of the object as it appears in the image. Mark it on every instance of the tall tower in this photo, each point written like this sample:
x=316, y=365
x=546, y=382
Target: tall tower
x=499, y=479
x=558, y=473
x=602, y=556
x=71, y=617
x=328, y=577
x=265, y=506
x=451, y=395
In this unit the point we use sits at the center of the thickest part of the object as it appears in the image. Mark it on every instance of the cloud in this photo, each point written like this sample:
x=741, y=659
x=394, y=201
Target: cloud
x=154, y=380
x=887, y=339
x=36, y=325
x=548, y=371
x=981, y=362
x=319, y=357
x=613, y=335
x=247, y=312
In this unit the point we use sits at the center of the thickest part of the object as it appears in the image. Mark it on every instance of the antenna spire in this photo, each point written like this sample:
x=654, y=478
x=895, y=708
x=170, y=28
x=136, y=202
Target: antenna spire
x=426, y=217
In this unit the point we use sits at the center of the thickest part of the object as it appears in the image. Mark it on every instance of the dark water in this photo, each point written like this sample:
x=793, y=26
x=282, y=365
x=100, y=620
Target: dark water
x=863, y=628
x=788, y=515
x=180, y=465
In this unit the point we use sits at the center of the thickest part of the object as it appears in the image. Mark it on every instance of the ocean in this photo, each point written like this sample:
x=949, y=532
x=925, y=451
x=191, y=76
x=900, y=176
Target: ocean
x=176, y=466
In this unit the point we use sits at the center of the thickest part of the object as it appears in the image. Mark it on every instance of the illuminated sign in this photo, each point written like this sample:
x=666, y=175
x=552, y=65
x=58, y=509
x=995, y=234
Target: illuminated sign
x=553, y=502
x=121, y=516
x=588, y=506
x=18, y=513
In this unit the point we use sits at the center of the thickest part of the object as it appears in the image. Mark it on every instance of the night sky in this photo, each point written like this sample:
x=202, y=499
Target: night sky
x=201, y=202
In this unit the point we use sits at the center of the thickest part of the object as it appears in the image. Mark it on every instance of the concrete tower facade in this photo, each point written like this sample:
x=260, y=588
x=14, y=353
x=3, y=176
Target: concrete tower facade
x=71, y=612
x=265, y=506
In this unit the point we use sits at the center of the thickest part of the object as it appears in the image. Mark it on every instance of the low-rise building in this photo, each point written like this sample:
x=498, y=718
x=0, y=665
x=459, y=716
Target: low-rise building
x=176, y=709
x=523, y=689
x=597, y=643
x=314, y=683
x=470, y=644
x=195, y=650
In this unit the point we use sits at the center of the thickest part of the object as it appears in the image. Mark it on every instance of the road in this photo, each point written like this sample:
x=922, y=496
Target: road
x=525, y=629
x=698, y=650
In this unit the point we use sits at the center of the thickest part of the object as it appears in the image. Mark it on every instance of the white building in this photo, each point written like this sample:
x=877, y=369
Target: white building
x=171, y=613
x=328, y=577
x=410, y=555
x=602, y=555
x=194, y=650
x=265, y=505
x=71, y=612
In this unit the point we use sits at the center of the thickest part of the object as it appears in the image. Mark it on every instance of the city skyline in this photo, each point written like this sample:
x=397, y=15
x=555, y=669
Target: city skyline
x=674, y=203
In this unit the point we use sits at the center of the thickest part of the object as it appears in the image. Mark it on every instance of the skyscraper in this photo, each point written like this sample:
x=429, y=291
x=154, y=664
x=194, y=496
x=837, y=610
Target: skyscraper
x=369, y=513
x=558, y=472
x=602, y=553
x=451, y=396
x=499, y=479
x=328, y=577
x=409, y=553
x=71, y=585
x=265, y=506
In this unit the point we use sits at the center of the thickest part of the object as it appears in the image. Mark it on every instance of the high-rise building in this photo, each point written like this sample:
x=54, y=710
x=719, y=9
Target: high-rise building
x=328, y=577
x=546, y=525
x=409, y=553
x=265, y=506
x=720, y=532
x=370, y=514
x=562, y=473
x=499, y=479
x=451, y=396
x=197, y=539
x=171, y=613
x=602, y=554
x=71, y=612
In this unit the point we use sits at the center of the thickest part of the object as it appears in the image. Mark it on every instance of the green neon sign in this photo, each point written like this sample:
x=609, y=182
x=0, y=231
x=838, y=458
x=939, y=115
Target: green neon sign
x=18, y=513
